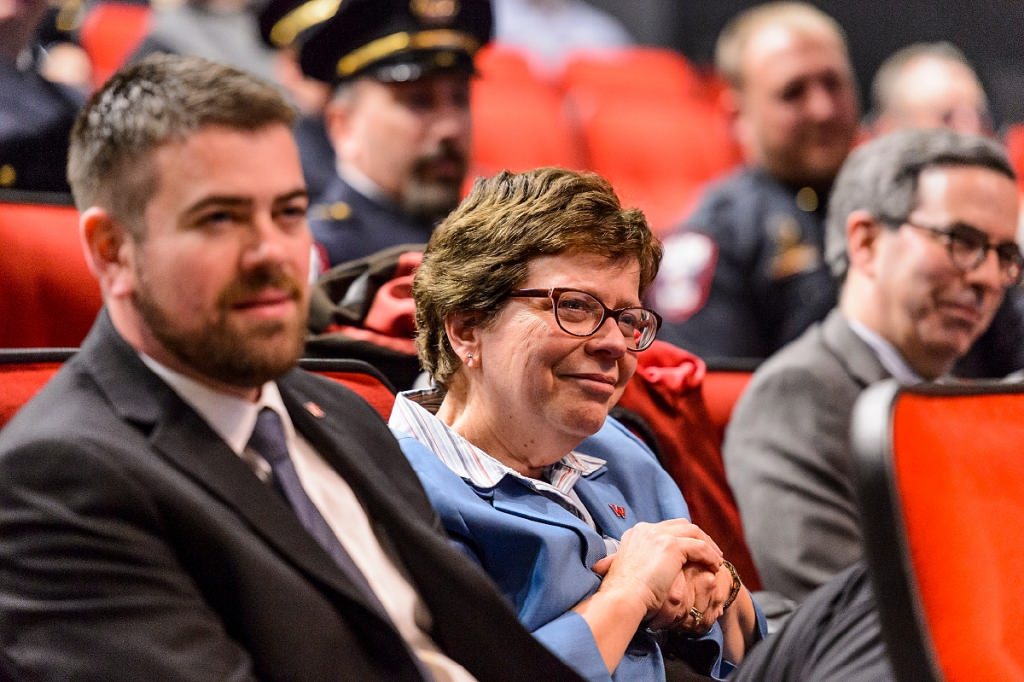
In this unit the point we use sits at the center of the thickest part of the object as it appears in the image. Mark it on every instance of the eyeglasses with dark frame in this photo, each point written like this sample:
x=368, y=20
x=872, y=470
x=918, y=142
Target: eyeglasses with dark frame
x=581, y=314
x=968, y=248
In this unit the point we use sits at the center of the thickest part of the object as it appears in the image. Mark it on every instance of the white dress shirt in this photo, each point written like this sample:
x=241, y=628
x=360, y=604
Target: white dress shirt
x=233, y=419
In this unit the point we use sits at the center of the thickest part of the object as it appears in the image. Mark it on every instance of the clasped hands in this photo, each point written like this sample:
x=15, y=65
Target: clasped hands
x=675, y=569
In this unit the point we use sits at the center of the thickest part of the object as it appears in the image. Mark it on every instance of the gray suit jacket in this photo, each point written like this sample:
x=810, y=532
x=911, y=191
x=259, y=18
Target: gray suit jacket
x=786, y=455
x=135, y=545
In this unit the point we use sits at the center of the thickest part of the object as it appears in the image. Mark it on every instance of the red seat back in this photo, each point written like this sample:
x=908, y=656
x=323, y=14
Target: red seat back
x=23, y=373
x=648, y=125
x=723, y=385
x=666, y=394
x=109, y=34
x=50, y=298
x=519, y=122
x=361, y=377
x=940, y=482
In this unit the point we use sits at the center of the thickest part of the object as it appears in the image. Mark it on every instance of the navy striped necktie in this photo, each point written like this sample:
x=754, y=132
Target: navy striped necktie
x=268, y=440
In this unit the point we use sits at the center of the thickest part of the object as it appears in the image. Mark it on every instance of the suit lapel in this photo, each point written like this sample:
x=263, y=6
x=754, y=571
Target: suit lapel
x=857, y=357
x=180, y=436
x=513, y=497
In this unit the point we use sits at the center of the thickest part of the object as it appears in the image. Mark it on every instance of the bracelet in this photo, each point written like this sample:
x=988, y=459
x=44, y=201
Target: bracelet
x=736, y=585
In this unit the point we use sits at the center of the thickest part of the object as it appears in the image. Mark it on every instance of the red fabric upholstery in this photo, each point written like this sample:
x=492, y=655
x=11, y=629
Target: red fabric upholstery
x=1014, y=140
x=722, y=389
x=960, y=476
x=50, y=298
x=649, y=126
x=519, y=121
x=110, y=32
x=374, y=391
x=648, y=73
x=666, y=393
x=659, y=155
x=22, y=375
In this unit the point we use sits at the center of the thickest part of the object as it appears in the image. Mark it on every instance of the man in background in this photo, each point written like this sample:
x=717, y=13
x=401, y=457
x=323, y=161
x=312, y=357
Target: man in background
x=929, y=85
x=745, y=274
x=398, y=120
x=35, y=114
x=921, y=235
x=181, y=503
x=933, y=85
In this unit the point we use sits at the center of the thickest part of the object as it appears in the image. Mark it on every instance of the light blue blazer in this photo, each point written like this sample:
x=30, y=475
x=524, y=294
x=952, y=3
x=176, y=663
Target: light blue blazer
x=540, y=554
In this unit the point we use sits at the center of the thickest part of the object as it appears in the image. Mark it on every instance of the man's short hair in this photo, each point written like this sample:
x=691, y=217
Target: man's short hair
x=881, y=177
x=884, y=85
x=160, y=99
x=483, y=250
x=732, y=41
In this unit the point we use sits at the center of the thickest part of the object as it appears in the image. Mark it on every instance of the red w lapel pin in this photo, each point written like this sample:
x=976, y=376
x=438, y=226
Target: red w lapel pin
x=618, y=510
x=314, y=409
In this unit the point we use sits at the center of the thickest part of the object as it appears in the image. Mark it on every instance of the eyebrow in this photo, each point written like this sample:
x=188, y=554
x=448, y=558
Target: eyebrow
x=222, y=201
x=601, y=299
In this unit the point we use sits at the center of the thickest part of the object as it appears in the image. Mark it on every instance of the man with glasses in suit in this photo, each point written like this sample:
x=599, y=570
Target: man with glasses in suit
x=920, y=234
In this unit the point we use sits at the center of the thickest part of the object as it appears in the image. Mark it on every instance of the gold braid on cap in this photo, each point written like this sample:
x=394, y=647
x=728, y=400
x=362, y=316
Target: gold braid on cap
x=396, y=42
x=299, y=19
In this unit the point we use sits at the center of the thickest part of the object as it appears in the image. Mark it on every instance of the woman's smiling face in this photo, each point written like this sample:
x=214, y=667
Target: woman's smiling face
x=534, y=382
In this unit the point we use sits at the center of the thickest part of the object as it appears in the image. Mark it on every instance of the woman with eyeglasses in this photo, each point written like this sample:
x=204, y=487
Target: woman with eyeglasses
x=529, y=316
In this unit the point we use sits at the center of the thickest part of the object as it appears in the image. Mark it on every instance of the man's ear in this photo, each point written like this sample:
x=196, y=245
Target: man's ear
x=863, y=231
x=463, y=332
x=108, y=250
x=740, y=123
x=338, y=118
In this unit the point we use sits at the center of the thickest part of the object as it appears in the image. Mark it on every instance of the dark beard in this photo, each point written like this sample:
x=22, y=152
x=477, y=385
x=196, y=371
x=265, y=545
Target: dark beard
x=431, y=200
x=244, y=358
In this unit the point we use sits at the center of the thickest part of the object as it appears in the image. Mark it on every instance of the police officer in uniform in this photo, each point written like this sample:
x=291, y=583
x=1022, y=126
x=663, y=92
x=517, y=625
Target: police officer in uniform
x=398, y=119
x=746, y=274
x=35, y=114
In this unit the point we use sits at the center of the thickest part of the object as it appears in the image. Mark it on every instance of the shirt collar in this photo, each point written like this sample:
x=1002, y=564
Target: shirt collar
x=470, y=462
x=362, y=183
x=887, y=354
x=231, y=417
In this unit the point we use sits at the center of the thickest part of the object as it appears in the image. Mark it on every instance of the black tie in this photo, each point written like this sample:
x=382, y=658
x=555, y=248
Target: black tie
x=269, y=441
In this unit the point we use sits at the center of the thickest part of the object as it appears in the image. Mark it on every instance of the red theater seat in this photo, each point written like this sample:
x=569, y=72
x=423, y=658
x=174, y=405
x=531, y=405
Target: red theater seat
x=359, y=376
x=940, y=485
x=649, y=126
x=636, y=73
x=109, y=34
x=23, y=373
x=50, y=298
x=519, y=121
x=723, y=385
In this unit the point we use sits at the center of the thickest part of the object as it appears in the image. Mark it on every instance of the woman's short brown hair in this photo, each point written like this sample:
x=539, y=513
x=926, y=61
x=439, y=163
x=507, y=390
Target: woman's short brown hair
x=483, y=249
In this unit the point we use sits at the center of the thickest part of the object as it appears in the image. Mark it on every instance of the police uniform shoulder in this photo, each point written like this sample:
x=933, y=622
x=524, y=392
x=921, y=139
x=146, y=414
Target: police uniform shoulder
x=728, y=208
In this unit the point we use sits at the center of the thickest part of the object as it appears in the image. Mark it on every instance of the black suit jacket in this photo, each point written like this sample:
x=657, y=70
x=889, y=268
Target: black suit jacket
x=135, y=545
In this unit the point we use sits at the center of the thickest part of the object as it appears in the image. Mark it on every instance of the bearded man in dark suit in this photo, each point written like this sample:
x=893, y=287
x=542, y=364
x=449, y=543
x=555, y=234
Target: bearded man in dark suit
x=180, y=503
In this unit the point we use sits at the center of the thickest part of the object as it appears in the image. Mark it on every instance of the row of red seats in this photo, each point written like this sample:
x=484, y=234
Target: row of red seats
x=643, y=117
x=671, y=402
